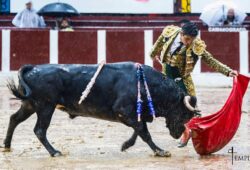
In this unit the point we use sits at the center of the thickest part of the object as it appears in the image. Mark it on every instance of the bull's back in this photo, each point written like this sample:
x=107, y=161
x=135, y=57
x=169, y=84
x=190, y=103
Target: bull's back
x=64, y=85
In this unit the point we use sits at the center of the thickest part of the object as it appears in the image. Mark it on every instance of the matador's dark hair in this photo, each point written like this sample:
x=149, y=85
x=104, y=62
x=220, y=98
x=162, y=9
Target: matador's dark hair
x=190, y=28
x=183, y=21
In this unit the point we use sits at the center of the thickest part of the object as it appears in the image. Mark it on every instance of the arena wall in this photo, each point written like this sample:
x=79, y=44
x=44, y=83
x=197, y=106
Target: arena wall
x=90, y=46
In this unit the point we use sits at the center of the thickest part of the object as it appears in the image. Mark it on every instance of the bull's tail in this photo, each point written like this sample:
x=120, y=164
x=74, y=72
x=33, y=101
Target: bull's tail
x=23, y=91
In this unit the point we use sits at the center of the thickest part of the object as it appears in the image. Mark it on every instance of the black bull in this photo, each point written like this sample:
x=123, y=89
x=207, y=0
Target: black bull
x=42, y=88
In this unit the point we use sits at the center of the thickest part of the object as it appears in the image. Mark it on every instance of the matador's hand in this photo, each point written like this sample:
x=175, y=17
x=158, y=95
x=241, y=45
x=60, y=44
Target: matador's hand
x=157, y=58
x=233, y=73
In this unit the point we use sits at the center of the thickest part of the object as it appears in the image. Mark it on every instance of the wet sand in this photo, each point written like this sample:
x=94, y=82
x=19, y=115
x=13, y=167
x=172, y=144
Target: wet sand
x=88, y=143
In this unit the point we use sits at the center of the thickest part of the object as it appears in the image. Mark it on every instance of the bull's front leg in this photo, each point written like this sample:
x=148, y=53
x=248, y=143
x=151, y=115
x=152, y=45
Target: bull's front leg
x=142, y=130
x=130, y=142
x=124, y=111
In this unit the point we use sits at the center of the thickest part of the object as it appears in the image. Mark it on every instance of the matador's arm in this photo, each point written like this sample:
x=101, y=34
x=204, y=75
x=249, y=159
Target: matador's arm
x=215, y=64
x=199, y=48
x=157, y=47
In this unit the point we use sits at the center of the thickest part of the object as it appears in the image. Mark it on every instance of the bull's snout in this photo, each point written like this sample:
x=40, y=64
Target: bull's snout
x=176, y=135
x=176, y=131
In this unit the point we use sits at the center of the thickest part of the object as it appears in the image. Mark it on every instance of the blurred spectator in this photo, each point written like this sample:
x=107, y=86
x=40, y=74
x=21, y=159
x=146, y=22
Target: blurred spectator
x=65, y=26
x=28, y=18
x=229, y=19
x=222, y=13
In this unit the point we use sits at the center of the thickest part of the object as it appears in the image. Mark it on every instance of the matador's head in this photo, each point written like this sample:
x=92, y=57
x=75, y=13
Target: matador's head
x=189, y=32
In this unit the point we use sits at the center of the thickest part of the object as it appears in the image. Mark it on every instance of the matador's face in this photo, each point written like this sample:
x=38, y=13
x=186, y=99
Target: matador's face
x=186, y=39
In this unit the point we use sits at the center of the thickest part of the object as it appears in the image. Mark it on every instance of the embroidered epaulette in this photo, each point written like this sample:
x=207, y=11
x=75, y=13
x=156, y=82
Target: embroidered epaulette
x=199, y=46
x=170, y=30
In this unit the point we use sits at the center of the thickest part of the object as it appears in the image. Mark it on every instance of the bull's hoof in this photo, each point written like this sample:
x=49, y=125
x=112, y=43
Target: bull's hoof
x=125, y=146
x=162, y=153
x=3, y=149
x=56, y=154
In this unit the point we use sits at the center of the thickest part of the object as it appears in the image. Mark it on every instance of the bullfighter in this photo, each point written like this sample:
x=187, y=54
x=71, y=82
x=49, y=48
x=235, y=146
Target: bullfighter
x=179, y=49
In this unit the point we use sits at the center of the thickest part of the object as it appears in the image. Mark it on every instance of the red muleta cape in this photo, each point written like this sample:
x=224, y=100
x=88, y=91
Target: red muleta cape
x=211, y=133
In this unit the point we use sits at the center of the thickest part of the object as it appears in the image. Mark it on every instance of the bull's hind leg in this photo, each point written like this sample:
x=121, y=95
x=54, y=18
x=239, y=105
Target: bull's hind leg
x=44, y=116
x=130, y=142
x=25, y=111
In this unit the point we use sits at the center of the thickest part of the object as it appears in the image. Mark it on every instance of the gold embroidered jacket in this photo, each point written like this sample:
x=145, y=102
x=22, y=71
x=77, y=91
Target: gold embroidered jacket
x=186, y=58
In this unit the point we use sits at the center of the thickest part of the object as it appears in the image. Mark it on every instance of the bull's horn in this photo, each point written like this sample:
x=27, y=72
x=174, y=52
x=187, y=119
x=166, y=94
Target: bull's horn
x=187, y=104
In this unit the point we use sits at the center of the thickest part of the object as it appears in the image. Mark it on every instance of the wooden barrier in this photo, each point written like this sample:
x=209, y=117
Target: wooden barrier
x=85, y=46
x=28, y=47
x=224, y=46
x=77, y=47
x=125, y=46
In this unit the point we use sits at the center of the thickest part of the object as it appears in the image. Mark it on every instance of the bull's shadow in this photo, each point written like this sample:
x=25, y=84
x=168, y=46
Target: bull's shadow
x=113, y=97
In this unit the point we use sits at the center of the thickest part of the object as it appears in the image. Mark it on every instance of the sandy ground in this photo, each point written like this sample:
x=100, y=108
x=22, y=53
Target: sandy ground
x=88, y=143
